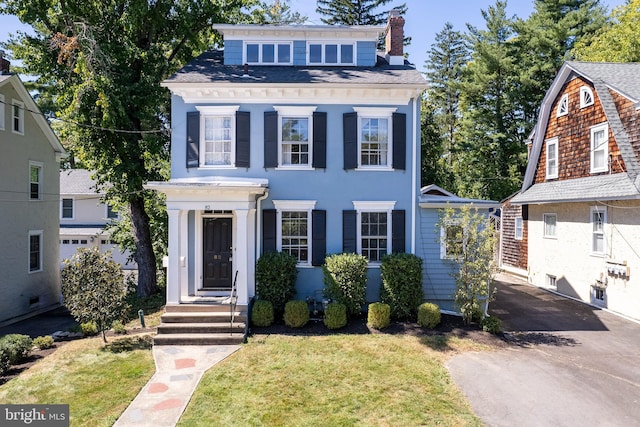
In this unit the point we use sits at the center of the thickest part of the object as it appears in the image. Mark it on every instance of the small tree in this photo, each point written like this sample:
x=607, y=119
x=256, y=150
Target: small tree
x=345, y=280
x=470, y=244
x=93, y=288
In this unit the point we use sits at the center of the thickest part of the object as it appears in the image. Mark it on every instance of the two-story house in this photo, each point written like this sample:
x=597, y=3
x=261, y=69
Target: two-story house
x=84, y=216
x=579, y=207
x=301, y=139
x=29, y=200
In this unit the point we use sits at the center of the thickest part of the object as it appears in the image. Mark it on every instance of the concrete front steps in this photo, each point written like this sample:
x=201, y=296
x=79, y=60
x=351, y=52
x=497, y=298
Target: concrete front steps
x=201, y=324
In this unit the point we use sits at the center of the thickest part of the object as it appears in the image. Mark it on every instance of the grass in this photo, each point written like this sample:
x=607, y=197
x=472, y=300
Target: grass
x=337, y=380
x=97, y=384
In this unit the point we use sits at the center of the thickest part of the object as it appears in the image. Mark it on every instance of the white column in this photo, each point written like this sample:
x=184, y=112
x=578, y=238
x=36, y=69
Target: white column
x=241, y=253
x=184, y=250
x=173, y=267
x=251, y=254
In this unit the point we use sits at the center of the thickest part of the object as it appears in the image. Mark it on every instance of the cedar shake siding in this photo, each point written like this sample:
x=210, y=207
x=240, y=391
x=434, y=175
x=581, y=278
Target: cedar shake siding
x=573, y=131
x=514, y=251
x=630, y=118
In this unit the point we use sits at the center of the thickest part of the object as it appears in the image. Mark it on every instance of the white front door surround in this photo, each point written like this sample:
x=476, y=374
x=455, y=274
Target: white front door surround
x=209, y=196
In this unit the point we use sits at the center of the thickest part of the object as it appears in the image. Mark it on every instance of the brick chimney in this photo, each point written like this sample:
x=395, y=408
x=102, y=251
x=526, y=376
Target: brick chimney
x=394, y=38
x=4, y=64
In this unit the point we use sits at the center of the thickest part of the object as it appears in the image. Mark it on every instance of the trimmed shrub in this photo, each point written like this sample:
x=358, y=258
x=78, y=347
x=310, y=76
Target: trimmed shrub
x=4, y=360
x=262, y=313
x=345, y=280
x=428, y=315
x=276, y=278
x=401, y=284
x=89, y=329
x=335, y=315
x=118, y=327
x=16, y=346
x=379, y=315
x=296, y=314
x=43, y=342
x=491, y=324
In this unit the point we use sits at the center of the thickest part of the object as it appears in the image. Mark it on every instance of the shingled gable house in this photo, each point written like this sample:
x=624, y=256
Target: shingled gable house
x=302, y=139
x=578, y=211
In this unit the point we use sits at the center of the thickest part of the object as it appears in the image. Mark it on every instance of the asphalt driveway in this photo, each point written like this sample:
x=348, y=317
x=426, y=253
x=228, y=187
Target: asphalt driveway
x=568, y=364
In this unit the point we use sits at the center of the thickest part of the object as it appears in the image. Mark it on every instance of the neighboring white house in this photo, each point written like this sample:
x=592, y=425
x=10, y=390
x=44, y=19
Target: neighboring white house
x=29, y=197
x=83, y=217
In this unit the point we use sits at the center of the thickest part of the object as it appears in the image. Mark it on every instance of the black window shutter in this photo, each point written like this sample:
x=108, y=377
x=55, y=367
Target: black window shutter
x=350, y=140
x=270, y=139
x=349, y=232
x=399, y=141
x=193, y=139
x=269, y=231
x=319, y=140
x=398, y=243
x=525, y=212
x=243, y=138
x=318, y=236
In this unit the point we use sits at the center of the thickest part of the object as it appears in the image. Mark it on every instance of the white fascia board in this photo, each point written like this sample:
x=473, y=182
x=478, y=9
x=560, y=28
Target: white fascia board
x=254, y=32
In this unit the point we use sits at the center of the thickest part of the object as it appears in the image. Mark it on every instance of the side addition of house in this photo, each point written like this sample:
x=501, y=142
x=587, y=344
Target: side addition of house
x=29, y=204
x=580, y=200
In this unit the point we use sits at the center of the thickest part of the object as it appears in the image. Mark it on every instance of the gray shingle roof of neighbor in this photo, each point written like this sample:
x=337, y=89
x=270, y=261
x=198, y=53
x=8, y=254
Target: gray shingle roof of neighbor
x=601, y=187
x=77, y=181
x=623, y=77
x=209, y=68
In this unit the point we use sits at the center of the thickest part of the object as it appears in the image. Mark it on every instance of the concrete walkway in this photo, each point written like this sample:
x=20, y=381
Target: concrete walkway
x=178, y=371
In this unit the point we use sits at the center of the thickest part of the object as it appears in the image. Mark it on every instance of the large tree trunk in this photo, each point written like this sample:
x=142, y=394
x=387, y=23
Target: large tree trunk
x=145, y=257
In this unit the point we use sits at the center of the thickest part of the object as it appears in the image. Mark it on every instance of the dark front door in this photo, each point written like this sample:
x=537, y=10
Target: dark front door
x=216, y=250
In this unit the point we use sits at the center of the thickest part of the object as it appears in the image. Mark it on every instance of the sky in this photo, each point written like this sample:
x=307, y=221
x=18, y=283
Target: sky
x=423, y=20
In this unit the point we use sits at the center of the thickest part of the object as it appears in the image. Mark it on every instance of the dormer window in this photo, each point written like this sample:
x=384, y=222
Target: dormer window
x=267, y=53
x=330, y=53
x=586, y=96
x=563, y=106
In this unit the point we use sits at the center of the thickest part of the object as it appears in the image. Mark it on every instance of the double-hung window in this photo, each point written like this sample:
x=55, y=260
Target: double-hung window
x=552, y=158
x=452, y=241
x=111, y=212
x=217, y=135
x=374, y=229
x=328, y=53
x=17, y=113
x=295, y=140
x=550, y=220
x=600, y=148
x=35, y=251
x=518, y=228
x=374, y=137
x=35, y=180
x=598, y=220
x=66, y=209
x=268, y=53
x=1, y=112
x=293, y=228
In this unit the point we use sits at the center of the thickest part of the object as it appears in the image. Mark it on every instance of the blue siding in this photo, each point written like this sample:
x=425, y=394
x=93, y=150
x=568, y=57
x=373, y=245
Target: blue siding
x=366, y=54
x=233, y=52
x=299, y=52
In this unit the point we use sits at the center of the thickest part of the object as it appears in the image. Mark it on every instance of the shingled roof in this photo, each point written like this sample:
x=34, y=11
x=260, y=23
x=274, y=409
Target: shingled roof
x=77, y=181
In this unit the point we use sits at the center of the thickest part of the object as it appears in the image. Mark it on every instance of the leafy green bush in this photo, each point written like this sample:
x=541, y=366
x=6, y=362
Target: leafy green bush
x=428, y=315
x=262, y=313
x=89, y=329
x=43, y=342
x=335, y=315
x=276, y=278
x=4, y=360
x=118, y=327
x=491, y=324
x=401, y=284
x=296, y=314
x=16, y=346
x=379, y=315
x=345, y=280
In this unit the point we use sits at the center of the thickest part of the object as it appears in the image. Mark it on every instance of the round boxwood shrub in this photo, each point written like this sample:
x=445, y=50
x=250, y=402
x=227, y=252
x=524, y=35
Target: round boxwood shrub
x=43, y=342
x=428, y=315
x=262, y=313
x=16, y=346
x=335, y=315
x=296, y=314
x=276, y=278
x=401, y=284
x=379, y=315
x=345, y=280
x=491, y=324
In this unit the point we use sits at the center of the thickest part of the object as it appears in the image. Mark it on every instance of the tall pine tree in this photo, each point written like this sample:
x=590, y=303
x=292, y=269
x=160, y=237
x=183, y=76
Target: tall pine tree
x=355, y=12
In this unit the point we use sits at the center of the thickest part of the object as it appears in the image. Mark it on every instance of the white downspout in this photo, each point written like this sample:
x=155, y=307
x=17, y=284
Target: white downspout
x=259, y=223
x=414, y=179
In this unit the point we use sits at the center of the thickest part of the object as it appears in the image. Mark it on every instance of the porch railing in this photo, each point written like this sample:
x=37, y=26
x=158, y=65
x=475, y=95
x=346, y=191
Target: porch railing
x=233, y=300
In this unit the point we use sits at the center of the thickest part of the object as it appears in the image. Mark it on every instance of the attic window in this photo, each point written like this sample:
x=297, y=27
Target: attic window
x=586, y=96
x=563, y=106
x=267, y=53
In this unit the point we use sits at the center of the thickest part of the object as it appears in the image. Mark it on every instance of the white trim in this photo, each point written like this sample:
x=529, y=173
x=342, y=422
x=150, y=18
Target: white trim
x=544, y=226
x=2, y=112
x=73, y=209
x=414, y=175
x=338, y=43
x=366, y=207
x=605, y=147
x=40, y=166
x=555, y=141
x=296, y=112
x=20, y=105
x=220, y=112
x=198, y=241
x=365, y=113
x=295, y=206
x=298, y=32
x=260, y=44
x=592, y=233
x=374, y=206
x=40, y=234
x=586, y=91
x=443, y=239
x=563, y=106
x=217, y=110
x=518, y=236
x=375, y=111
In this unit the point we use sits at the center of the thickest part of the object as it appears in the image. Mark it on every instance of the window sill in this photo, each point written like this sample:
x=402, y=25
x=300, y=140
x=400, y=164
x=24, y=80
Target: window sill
x=35, y=271
x=550, y=237
x=597, y=171
x=374, y=169
x=294, y=168
x=598, y=254
x=374, y=265
x=305, y=266
x=217, y=167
